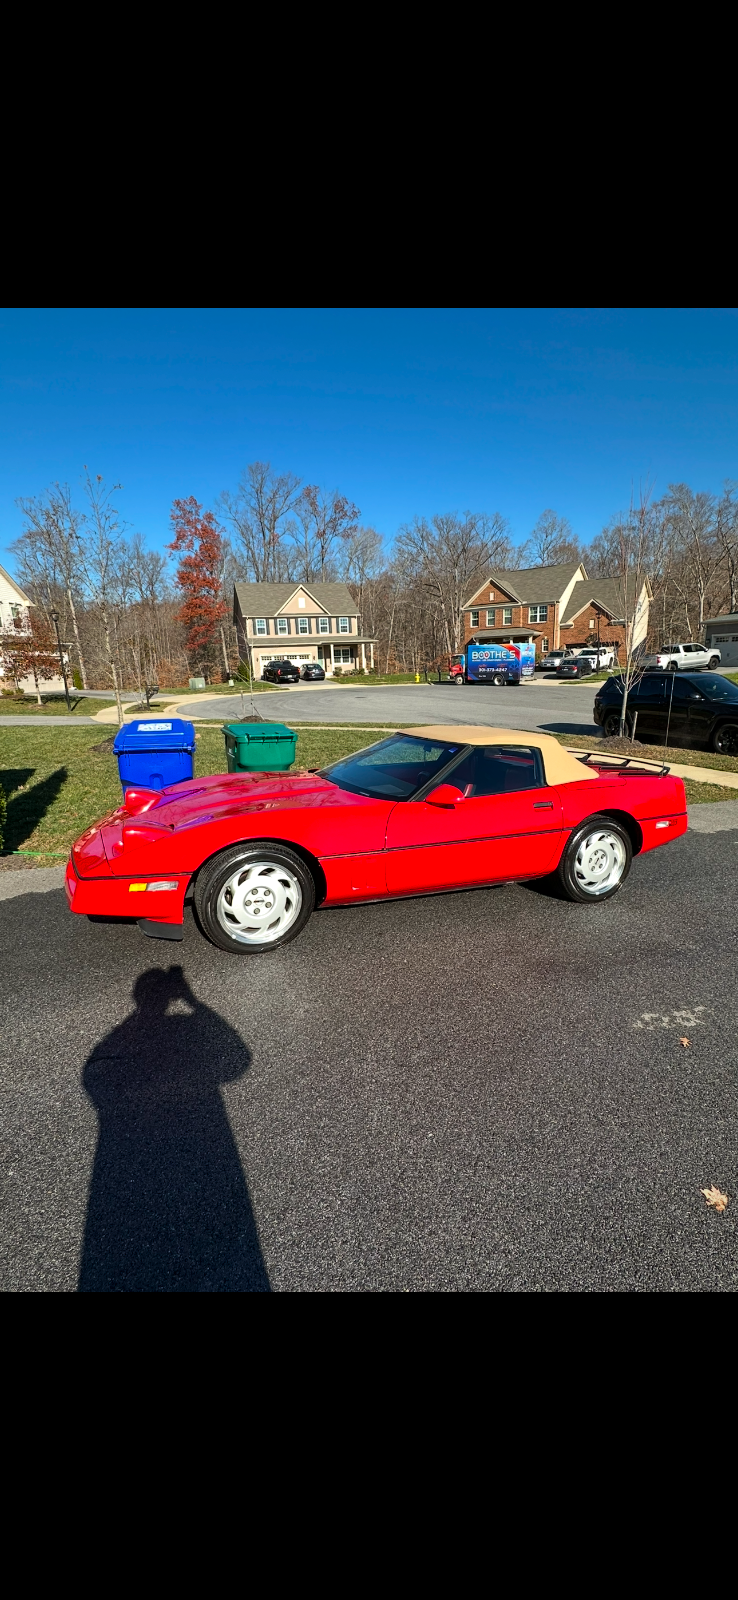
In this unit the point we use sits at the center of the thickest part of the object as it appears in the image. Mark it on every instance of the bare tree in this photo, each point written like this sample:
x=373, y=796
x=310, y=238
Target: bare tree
x=48, y=551
x=726, y=532
x=257, y=513
x=322, y=522
x=693, y=524
x=631, y=545
x=100, y=556
x=453, y=555
x=551, y=543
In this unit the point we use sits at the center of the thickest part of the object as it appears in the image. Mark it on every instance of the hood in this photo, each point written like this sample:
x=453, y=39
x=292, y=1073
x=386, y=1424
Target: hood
x=229, y=794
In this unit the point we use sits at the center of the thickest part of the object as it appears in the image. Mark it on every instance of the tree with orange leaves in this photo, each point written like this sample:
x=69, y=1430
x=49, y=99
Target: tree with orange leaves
x=199, y=543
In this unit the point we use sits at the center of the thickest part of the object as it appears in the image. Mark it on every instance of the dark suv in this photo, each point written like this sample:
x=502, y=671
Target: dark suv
x=280, y=672
x=689, y=708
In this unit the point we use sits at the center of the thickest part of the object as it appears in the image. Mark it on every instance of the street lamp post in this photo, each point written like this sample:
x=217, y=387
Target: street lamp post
x=55, y=620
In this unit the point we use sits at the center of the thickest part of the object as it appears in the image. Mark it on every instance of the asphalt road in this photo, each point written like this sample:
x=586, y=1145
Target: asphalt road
x=557, y=708
x=471, y=1091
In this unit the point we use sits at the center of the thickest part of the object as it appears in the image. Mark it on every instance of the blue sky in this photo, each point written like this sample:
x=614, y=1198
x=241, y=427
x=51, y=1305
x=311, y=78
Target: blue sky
x=406, y=411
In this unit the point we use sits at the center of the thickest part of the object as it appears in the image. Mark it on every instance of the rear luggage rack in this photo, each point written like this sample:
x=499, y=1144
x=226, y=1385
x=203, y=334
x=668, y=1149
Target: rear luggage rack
x=592, y=758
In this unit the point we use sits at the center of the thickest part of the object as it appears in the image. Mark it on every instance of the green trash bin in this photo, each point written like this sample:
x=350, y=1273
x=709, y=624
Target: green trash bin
x=259, y=746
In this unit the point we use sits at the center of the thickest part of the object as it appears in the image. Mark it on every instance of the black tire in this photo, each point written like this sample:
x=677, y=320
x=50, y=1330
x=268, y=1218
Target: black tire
x=459, y=679
x=608, y=840
x=611, y=726
x=713, y=662
x=498, y=680
x=672, y=666
x=725, y=739
x=285, y=887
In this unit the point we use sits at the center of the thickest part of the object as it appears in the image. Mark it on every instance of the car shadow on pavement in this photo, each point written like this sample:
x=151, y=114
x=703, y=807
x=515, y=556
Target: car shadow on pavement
x=169, y=1209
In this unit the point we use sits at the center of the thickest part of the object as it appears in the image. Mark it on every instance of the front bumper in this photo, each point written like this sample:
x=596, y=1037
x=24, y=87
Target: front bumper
x=127, y=897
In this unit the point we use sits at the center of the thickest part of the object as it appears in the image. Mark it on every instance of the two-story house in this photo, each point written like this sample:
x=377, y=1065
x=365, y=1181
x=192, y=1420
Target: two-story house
x=300, y=622
x=14, y=606
x=552, y=607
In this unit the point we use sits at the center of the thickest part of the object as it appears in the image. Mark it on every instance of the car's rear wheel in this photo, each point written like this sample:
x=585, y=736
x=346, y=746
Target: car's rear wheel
x=596, y=860
x=725, y=740
x=254, y=897
x=672, y=666
x=498, y=680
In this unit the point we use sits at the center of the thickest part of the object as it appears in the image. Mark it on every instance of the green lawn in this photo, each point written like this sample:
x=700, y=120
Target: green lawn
x=57, y=783
x=240, y=686
x=53, y=706
x=659, y=752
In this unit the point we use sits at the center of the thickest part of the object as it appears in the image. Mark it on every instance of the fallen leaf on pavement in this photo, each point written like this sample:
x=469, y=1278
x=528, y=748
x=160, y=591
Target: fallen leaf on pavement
x=715, y=1198
x=685, y=1042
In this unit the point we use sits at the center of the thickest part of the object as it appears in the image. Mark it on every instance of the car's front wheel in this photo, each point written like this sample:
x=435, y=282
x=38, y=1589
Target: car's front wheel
x=596, y=860
x=725, y=740
x=713, y=662
x=611, y=726
x=254, y=897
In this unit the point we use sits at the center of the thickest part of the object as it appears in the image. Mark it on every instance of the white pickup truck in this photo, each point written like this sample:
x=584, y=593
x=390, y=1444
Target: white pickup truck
x=602, y=657
x=684, y=658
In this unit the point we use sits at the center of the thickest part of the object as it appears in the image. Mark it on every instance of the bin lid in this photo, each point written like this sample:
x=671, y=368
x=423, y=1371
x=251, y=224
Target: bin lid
x=259, y=732
x=155, y=733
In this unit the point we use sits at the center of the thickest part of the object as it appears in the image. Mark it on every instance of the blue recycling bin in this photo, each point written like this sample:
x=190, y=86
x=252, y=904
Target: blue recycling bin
x=153, y=752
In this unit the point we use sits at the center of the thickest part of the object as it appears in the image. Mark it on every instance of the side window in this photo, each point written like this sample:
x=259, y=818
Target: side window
x=498, y=769
x=679, y=689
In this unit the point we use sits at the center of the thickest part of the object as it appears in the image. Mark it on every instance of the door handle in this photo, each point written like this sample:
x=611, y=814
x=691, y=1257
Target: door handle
x=543, y=805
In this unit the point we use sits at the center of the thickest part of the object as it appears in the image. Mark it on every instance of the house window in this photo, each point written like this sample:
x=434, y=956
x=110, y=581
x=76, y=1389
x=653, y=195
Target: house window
x=506, y=616
x=324, y=624
x=474, y=618
x=544, y=647
x=490, y=619
x=342, y=655
x=282, y=625
x=538, y=613
x=344, y=626
x=303, y=625
x=301, y=601
x=260, y=625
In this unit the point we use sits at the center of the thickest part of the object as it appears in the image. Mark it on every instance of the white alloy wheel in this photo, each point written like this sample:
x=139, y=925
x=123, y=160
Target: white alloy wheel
x=600, y=862
x=259, y=902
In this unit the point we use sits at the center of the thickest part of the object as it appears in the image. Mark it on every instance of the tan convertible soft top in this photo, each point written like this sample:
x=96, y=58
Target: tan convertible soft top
x=561, y=767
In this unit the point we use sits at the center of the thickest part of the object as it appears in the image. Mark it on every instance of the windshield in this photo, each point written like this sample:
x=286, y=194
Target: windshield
x=714, y=687
x=395, y=769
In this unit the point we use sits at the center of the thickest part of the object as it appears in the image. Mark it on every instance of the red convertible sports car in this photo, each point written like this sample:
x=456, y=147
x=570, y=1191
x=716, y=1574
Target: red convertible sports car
x=422, y=811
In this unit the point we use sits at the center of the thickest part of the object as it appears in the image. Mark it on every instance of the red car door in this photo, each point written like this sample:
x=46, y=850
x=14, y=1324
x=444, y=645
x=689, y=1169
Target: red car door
x=508, y=825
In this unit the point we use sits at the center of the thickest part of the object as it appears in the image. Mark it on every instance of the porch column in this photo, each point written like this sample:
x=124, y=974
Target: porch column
x=371, y=656
x=363, y=656
x=332, y=659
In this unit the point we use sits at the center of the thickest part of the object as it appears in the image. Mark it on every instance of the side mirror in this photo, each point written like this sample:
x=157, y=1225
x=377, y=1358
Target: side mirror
x=446, y=794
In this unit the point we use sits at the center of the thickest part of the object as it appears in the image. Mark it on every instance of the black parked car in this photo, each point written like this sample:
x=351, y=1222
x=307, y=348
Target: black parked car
x=280, y=672
x=695, y=708
x=576, y=667
x=312, y=671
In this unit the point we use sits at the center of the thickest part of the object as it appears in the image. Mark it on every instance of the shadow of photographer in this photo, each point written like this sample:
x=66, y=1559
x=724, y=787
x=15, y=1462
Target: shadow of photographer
x=169, y=1208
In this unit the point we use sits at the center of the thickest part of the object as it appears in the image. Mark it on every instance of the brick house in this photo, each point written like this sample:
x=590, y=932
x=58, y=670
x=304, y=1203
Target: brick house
x=553, y=607
x=300, y=622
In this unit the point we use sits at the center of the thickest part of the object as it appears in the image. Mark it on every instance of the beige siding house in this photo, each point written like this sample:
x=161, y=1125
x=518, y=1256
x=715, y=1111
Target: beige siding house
x=300, y=622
